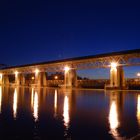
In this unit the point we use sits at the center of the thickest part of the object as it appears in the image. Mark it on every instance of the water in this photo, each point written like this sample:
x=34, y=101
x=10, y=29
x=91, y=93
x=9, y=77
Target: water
x=46, y=114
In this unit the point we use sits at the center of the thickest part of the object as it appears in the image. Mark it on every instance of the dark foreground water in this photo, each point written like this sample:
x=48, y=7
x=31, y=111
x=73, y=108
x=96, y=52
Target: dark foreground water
x=47, y=114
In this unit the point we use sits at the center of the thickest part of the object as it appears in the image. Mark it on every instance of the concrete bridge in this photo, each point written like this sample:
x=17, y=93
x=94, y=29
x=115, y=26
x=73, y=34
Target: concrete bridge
x=115, y=61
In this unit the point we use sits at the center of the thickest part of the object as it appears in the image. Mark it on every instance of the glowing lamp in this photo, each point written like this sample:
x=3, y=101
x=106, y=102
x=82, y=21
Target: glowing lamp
x=16, y=73
x=113, y=65
x=56, y=77
x=138, y=74
x=33, y=78
x=36, y=71
x=66, y=69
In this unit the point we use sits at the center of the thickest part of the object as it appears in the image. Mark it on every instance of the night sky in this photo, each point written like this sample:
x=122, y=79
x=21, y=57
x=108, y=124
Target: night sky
x=34, y=30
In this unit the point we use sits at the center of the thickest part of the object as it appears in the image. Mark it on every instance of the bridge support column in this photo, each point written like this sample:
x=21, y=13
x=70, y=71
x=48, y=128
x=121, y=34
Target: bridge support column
x=44, y=79
x=74, y=77
x=67, y=78
x=1, y=79
x=6, y=80
x=117, y=80
x=17, y=79
x=22, y=78
x=121, y=78
x=70, y=78
x=40, y=79
x=37, y=78
x=113, y=77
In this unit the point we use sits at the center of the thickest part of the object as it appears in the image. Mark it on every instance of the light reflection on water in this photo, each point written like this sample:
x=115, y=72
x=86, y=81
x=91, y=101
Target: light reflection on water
x=113, y=118
x=66, y=112
x=138, y=109
x=114, y=114
x=55, y=103
x=32, y=99
x=15, y=100
x=0, y=97
x=34, y=104
x=77, y=112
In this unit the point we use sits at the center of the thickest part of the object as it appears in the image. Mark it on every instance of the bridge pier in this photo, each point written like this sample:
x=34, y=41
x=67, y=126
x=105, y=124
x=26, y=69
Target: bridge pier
x=121, y=78
x=17, y=78
x=22, y=80
x=1, y=79
x=70, y=78
x=5, y=80
x=44, y=80
x=40, y=79
x=37, y=78
x=74, y=77
x=67, y=77
x=117, y=80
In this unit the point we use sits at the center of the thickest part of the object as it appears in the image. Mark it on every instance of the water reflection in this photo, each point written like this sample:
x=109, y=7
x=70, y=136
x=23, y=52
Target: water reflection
x=66, y=112
x=15, y=100
x=138, y=109
x=0, y=98
x=113, y=118
x=67, y=106
x=32, y=98
x=55, y=103
x=34, y=104
x=114, y=115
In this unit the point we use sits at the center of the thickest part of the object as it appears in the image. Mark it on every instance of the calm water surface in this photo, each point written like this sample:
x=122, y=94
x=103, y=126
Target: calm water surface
x=47, y=114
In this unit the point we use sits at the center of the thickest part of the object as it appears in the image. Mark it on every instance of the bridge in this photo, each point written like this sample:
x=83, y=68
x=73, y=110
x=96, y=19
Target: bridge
x=115, y=61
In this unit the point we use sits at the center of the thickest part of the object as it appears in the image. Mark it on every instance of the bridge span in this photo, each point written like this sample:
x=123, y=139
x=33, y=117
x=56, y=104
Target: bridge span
x=115, y=61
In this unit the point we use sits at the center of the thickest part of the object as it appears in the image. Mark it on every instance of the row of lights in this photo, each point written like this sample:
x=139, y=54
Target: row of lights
x=16, y=73
x=66, y=69
x=36, y=71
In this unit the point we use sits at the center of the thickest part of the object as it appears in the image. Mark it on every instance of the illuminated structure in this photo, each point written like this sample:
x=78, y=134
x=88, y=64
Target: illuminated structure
x=117, y=80
x=138, y=74
x=1, y=78
x=17, y=78
x=68, y=76
x=115, y=61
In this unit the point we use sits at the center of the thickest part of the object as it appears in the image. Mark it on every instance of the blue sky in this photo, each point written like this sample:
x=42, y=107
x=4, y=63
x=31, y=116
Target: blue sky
x=34, y=31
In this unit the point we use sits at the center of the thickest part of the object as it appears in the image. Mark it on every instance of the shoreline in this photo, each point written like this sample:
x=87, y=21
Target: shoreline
x=134, y=90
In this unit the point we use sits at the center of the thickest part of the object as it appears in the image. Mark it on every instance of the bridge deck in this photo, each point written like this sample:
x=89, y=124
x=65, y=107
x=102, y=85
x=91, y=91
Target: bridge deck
x=112, y=54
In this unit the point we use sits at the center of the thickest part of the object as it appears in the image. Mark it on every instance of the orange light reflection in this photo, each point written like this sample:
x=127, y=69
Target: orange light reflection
x=66, y=112
x=15, y=103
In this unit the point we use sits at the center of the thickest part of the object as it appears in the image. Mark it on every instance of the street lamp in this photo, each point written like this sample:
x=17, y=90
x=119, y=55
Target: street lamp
x=55, y=77
x=33, y=78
